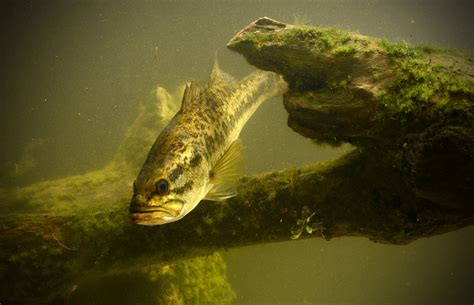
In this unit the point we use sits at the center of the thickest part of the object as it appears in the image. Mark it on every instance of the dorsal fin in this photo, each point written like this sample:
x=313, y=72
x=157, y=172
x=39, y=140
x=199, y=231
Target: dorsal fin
x=219, y=77
x=192, y=91
x=216, y=71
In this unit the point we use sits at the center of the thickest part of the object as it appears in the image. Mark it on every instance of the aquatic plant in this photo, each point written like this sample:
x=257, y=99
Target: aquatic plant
x=304, y=224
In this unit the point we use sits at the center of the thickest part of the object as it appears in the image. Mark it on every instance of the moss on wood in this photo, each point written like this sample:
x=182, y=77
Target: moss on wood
x=412, y=104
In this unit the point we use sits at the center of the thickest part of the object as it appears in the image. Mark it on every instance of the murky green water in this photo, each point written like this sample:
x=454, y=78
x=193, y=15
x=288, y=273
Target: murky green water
x=73, y=73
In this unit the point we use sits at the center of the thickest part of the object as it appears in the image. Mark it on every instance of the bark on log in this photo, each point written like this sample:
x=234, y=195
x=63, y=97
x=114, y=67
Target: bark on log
x=54, y=233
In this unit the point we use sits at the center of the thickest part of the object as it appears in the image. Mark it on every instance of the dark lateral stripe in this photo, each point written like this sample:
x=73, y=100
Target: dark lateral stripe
x=196, y=159
x=187, y=186
x=175, y=173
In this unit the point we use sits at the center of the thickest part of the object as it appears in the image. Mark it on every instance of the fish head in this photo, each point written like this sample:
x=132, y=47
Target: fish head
x=155, y=209
x=169, y=193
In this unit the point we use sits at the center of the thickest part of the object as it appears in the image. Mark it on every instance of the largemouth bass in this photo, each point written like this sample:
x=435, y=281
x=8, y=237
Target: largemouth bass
x=197, y=155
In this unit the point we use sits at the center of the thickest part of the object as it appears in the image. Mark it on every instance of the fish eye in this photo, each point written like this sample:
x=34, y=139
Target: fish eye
x=162, y=187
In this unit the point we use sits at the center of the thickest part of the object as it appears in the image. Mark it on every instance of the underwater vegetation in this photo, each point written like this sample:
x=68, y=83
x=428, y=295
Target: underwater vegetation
x=26, y=163
x=200, y=280
x=306, y=225
x=407, y=110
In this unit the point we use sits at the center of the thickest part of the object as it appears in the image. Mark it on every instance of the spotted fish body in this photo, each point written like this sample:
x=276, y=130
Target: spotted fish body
x=197, y=155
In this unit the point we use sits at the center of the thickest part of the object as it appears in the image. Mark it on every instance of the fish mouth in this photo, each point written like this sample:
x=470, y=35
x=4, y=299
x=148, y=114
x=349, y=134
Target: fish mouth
x=151, y=216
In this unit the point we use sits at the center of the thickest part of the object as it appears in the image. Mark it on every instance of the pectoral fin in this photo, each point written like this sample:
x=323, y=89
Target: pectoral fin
x=225, y=174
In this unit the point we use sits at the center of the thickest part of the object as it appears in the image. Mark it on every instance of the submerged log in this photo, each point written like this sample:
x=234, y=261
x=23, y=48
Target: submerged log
x=56, y=235
x=44, y=254
x=413, y=105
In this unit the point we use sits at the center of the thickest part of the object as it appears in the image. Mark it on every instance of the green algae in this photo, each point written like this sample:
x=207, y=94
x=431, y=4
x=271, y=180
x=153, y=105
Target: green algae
x=200, y=280
x=345, y=50
x=428, y=49
x=323, y=39
x=429, y=108
x=413, y=104
x=92, y=241
x=340, y=84
x=295, y=45
x=420, y=86
x=368, y=51
x=397, y=50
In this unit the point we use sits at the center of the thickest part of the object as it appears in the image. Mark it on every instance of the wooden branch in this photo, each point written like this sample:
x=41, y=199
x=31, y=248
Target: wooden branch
x=347, y=197
x=413, y=105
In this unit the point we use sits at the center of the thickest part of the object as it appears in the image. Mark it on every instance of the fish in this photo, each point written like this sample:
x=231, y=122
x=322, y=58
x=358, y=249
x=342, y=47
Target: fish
x=197, y=156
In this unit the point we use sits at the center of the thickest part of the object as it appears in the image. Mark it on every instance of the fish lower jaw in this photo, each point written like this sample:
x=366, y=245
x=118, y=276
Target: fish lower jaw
x=152, y=219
